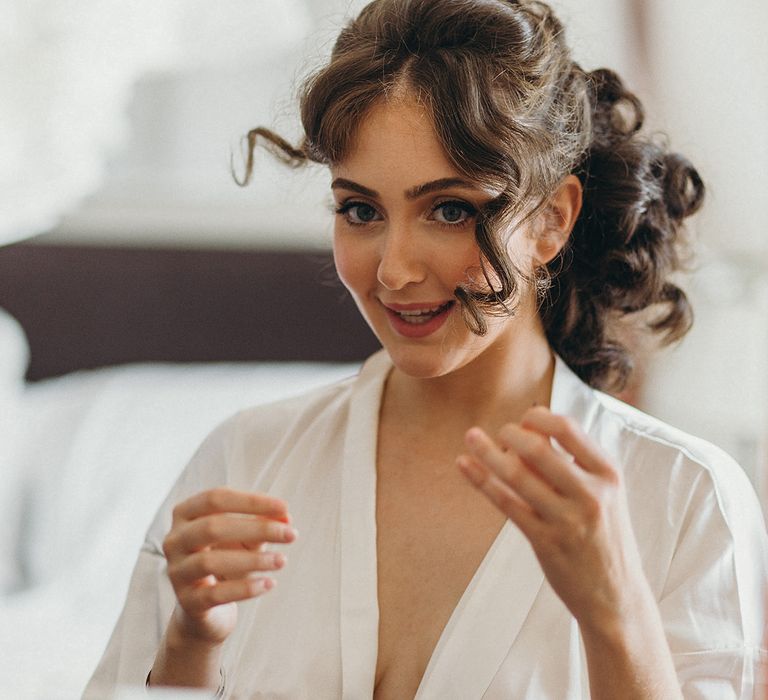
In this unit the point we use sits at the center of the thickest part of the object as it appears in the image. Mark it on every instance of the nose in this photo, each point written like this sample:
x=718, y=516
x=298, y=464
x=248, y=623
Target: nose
x=401, y=259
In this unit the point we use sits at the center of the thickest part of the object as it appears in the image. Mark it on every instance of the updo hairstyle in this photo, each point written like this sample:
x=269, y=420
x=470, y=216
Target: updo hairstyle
x=516, y=114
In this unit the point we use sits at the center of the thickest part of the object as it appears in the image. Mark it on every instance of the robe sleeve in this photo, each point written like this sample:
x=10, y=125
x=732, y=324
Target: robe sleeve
x=131, y=650
x=713, y=603
x=150, y=600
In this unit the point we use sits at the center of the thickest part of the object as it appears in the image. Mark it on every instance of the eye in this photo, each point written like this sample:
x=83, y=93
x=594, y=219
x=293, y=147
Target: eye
x=453, y=213
x=358, y=213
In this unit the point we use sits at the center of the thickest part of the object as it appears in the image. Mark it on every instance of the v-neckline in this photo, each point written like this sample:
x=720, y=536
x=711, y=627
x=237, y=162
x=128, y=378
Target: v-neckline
x=491, y=610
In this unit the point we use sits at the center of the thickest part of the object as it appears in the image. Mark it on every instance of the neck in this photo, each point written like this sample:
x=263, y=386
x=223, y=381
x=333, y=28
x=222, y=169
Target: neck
x=496, y=387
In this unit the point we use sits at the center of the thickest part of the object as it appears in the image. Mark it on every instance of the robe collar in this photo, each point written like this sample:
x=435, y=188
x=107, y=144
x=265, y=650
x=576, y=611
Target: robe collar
x=491, y=611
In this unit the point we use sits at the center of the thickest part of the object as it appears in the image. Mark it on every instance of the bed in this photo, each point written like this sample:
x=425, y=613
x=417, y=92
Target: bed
x=116, y=363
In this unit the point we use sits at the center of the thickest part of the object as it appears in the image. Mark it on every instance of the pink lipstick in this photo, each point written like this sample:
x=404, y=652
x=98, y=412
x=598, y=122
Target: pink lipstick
x=420, y=319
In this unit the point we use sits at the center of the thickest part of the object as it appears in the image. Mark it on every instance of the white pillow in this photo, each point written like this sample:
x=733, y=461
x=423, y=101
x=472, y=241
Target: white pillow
x=14, y=357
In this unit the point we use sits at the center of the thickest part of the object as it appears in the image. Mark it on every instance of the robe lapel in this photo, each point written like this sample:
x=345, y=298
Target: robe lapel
x=495, y=605
x=486, y=620
x=572, y=397
x=359, y=622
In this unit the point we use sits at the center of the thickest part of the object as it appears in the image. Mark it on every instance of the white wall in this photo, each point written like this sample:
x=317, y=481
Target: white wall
x=172, y=184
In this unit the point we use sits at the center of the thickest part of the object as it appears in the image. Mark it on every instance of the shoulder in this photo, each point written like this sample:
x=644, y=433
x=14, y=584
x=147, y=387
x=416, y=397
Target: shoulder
x=242, y=445
x=698, y=524
x=323, y=412
x=691, y=503
x=265, y=424
x=656, y=459
x=251, y=447
x=645, y=432
x=256, y=435
x=650, y=449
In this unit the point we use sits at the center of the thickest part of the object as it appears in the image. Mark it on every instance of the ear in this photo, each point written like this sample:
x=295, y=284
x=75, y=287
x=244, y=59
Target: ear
x=558, y=219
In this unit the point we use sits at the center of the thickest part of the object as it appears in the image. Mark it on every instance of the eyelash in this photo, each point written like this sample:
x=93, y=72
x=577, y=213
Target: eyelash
x=470, y=211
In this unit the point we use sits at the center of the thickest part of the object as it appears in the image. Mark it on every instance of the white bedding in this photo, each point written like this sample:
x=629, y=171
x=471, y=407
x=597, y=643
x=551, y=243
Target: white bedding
x=91, y=456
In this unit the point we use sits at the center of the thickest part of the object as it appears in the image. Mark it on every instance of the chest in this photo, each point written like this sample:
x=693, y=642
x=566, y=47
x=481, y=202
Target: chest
x=433, y=531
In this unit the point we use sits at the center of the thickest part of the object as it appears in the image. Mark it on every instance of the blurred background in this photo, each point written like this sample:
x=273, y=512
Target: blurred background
x=119, y=123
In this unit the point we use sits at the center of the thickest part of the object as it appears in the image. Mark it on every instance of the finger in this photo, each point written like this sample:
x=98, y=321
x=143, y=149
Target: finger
x=249, y=546
x=224, y=500
x=570, y=437
x=503, y=497
x=511, y=470
x=223, y=530
x=536, y=451
x=223, y=564
x=201, y=598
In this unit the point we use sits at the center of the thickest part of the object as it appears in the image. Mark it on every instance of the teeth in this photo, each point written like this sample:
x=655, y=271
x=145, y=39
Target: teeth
x=420, y=312
x=421, y=315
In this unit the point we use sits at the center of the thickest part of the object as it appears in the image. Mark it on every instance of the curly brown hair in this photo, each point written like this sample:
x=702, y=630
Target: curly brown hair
x=516, y=114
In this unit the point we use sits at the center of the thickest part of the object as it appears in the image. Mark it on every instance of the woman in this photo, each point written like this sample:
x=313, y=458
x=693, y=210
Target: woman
x=477, y=520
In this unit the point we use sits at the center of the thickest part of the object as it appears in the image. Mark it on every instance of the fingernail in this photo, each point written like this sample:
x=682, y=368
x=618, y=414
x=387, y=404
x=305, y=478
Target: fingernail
x=474, y=436
x=279, y=559
x=259, y=583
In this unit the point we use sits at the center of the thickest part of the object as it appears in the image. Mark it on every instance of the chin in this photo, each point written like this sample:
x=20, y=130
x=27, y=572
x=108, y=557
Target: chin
x=421, y=363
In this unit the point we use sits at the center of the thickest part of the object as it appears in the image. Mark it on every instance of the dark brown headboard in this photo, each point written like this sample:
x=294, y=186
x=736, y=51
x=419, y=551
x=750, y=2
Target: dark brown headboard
x=84, y=307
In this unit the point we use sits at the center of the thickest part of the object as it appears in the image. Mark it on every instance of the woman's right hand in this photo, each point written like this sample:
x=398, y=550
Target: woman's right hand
x=215, y=553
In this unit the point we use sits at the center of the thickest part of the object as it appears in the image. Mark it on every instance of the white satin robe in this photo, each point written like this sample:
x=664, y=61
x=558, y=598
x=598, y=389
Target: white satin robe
x=696, y=518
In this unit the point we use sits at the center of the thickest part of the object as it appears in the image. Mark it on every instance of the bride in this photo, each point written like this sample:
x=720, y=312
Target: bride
x=470, y=517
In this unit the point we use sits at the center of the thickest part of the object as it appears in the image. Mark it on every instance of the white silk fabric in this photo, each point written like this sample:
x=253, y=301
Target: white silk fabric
x=696, y=518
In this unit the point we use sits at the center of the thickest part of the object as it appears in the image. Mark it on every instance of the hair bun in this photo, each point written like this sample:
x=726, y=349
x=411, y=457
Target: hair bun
x=617, y=114
x=683, y=187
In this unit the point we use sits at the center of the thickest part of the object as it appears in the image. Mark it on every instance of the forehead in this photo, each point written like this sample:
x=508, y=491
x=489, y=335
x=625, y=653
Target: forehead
x=396, y=137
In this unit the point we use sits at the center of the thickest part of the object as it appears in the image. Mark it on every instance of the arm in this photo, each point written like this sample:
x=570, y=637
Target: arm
x=630, y=660
x=215, y=555
x=572, y=508
x=182, y=661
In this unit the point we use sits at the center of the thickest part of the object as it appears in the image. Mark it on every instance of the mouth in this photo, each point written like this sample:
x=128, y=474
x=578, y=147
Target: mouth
x=418, y=320
x=412, y=313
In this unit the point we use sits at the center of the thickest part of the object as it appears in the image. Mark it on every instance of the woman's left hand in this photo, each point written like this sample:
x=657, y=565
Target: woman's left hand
x=571, y=506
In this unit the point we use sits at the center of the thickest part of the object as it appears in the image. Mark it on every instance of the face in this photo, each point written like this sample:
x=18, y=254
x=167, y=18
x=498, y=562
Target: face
x=404, y=240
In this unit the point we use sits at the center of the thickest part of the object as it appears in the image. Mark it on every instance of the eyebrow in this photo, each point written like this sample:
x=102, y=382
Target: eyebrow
x=412, y=193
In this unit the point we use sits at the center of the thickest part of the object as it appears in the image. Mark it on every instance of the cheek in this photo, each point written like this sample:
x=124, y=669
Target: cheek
x=353, y=263
x=466, y=265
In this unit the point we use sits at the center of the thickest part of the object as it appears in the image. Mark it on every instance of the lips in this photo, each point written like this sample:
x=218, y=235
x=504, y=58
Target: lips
x=417, y=320
x=420, y=314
